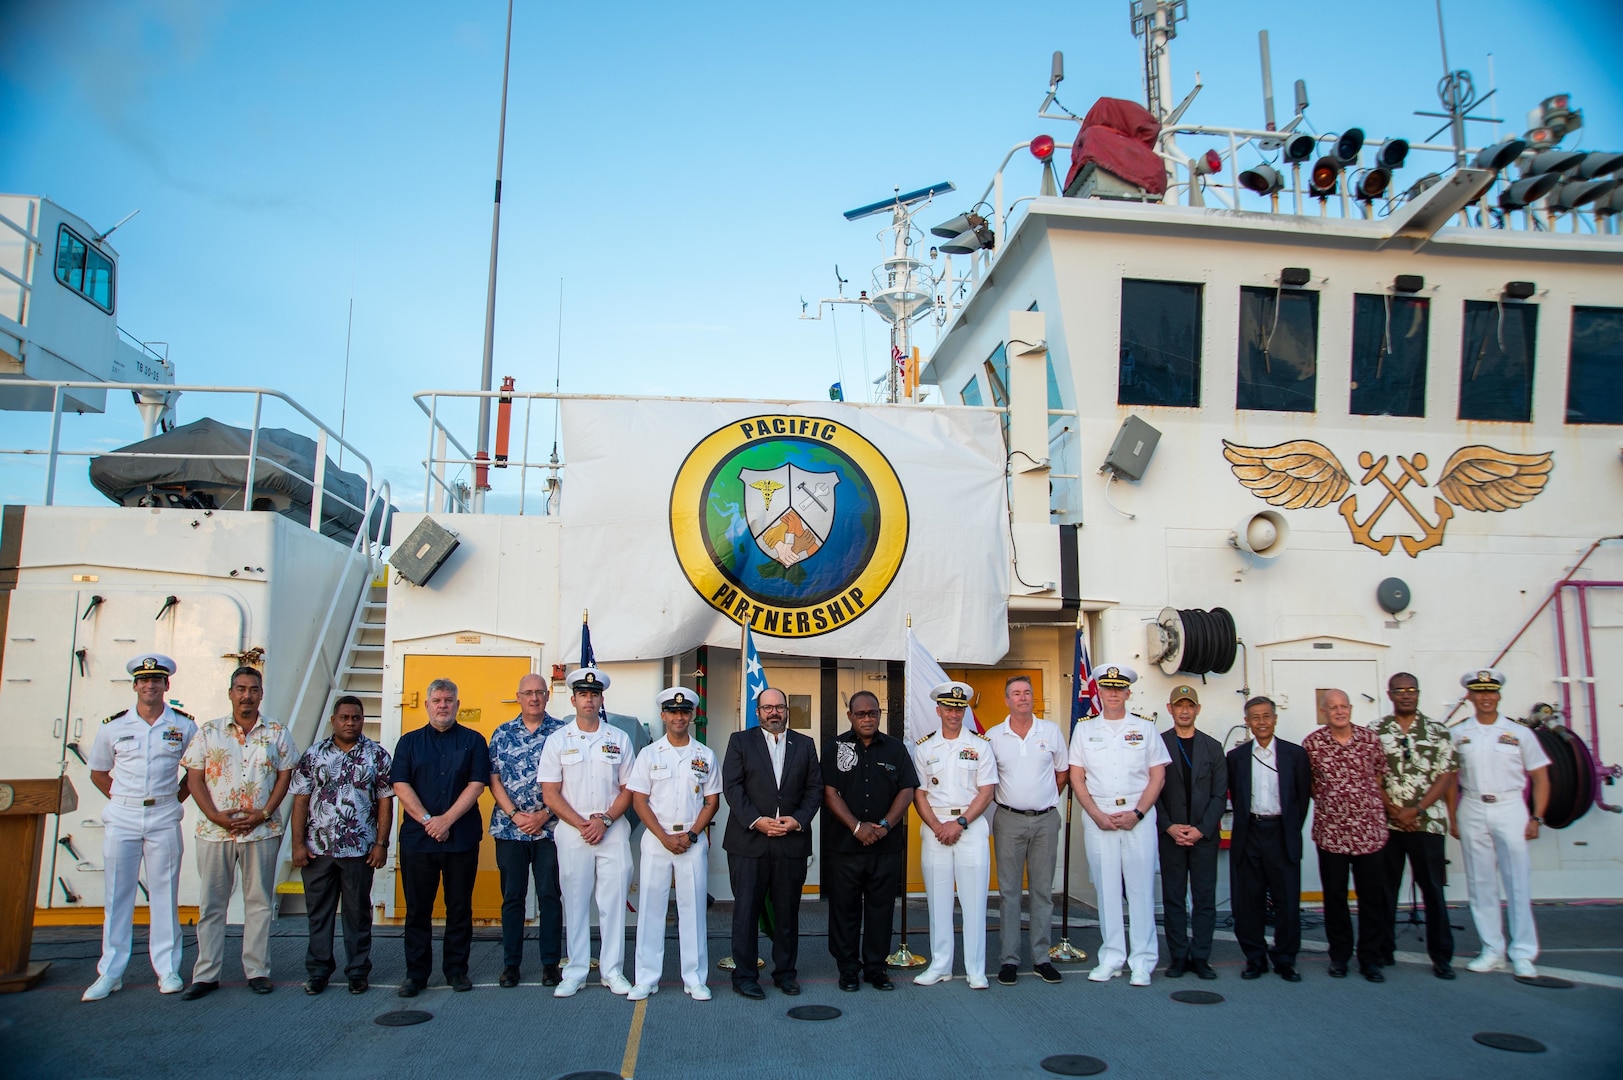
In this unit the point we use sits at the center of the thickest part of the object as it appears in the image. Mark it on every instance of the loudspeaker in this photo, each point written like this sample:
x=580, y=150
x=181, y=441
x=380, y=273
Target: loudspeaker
x=1263, y=534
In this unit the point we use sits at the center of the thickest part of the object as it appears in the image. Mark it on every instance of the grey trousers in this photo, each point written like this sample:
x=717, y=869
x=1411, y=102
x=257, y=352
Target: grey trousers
x=1026, y=847
x=219, y=863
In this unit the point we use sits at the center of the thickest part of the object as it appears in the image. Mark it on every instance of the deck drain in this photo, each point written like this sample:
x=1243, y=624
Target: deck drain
x=1074, y=1065
x=814, y=1012
x=1545, y=982
x=402, y=1018
x=1197, y=997
x=1499, y=1040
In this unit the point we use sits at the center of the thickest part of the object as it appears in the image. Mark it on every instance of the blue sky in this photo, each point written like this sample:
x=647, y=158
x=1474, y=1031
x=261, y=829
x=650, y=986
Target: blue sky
x=682, y=169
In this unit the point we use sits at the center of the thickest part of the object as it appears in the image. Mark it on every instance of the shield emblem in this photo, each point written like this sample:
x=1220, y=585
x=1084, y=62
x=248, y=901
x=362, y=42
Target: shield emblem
x=790, y=510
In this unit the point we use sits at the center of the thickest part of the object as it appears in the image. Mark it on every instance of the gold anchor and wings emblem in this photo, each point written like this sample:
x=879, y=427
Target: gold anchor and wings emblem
x=1302, y=474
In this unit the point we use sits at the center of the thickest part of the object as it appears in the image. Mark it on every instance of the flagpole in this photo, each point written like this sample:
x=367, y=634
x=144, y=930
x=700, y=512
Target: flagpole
x=726, y=962
x=904, y=957
x=1064, y=951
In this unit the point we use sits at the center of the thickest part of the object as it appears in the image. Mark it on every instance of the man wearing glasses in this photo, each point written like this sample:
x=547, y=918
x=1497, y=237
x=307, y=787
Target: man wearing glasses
x=868, y=780
x=1420, y=766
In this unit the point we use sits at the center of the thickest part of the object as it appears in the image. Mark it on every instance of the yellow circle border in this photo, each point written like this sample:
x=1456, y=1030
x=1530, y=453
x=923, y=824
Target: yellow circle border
x=767, y=618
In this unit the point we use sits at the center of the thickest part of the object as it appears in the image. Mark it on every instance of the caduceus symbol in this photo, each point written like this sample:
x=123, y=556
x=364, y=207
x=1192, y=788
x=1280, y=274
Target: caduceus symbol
x=767, y=488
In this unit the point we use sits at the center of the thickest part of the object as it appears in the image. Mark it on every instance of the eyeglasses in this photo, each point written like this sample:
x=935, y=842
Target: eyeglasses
x=532, y=693
x=1404, y=690
x=772, y=708
x=865, y=714
x=1403, y=741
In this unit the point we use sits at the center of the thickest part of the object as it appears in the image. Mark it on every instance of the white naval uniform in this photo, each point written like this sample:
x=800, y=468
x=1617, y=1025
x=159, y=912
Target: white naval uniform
x=592, y=768
x=1494, y=762
x=1117, y=756
x=143, y=824
x=676, y=779
x=951, y=773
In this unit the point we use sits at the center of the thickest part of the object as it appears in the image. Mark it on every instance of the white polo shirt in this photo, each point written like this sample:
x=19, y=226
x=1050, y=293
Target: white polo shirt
x=1026, y=766
x=676, y=779
x=1118, y=756
x=1496, y=758
x=592, y=766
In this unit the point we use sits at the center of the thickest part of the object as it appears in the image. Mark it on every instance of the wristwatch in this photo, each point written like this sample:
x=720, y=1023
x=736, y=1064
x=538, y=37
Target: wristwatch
x=884, y=823
x=963, y=822
x=1538, y=819
x=1139, y=812
x=427, y=817
x=604, y=818
x=693, y=836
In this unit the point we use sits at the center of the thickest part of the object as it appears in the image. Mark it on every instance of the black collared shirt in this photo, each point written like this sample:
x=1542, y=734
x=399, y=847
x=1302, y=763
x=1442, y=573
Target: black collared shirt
x=868, y=778
x=439, y=766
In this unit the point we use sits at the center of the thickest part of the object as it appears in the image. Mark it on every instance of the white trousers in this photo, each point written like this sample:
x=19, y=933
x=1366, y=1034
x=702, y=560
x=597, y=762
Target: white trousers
x=220, y=865
x=966, y=866
x=692, y=872
x=1117, y=858
x=133, y=835
x=1494, y=839
x=586, y=873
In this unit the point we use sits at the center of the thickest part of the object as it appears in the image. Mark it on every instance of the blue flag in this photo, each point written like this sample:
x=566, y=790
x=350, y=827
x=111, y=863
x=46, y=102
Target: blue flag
x=1087, y=691
x=754, y=680
x=586, y=657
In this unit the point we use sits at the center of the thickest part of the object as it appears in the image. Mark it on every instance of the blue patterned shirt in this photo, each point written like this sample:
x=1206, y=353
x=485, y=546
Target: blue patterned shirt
x=515, y=751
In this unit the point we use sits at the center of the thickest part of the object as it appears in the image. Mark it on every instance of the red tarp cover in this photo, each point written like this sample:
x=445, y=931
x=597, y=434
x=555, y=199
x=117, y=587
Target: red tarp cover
x=1119, y=136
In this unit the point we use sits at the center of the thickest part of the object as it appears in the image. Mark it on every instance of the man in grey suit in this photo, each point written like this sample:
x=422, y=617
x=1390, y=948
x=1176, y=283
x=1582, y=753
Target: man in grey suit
x=1190, y=813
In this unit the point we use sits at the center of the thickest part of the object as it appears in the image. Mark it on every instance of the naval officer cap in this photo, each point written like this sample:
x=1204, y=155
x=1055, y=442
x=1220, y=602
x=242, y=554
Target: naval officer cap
x=1483, y=679
x=1116, y=676
x=954, y=695
x=151, y=664
x=677, y=699
x=587, y=678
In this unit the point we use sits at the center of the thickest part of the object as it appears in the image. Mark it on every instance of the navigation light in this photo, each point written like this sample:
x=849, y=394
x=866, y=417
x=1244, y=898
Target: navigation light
x=1576, y=193
x=1209, y=162
x=1499, y=156
x=1528, y=190
x=1555, y=161
x=1600, y=163
x=1042, y=148
x=1262, y=179
x=1322, y=182
x=1347, y=147
x=1299, y=148
x=1371, y=184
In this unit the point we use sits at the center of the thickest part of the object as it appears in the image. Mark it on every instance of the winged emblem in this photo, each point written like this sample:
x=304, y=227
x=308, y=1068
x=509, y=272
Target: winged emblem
x=1295, y=475
x=1484, y=479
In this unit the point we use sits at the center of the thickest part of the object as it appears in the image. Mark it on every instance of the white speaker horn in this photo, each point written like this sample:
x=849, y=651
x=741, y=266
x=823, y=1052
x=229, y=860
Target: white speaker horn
x=1263, y=534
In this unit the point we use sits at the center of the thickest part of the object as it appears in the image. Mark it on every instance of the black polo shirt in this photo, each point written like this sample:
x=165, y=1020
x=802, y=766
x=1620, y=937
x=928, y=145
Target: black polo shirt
x=439, y=766
x=868, y=779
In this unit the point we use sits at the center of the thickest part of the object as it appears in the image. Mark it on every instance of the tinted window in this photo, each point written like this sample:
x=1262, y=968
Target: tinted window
x=1160, y=344
x=1279, y=346
x=84, y=269
x=997, y=379
x=1595, y=369
x=1389, y=355
x=971, y=393
x=1496, y=361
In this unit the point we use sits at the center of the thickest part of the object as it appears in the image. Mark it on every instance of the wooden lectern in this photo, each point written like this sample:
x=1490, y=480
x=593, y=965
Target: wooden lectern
x=23, y=806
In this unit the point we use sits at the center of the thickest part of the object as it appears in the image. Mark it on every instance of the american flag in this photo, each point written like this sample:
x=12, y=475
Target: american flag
x=896, y=354
x=1087, y=691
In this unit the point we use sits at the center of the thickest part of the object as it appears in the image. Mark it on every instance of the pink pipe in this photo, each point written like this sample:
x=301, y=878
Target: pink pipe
x=1561, y=652
x=1582, y=589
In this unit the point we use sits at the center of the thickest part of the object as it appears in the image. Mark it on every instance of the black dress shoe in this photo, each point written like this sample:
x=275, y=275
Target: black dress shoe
x=1176, y=969
x=1338, y=971
x=1372, y=972
x=789, y=986
x=314, y=986
x=1253, y=971
x=409, y=989
x=1288, y=972
x=1008, y=975
x=551, y=975
x=850, y=983
x=509, y=977
x=751, y=990
x=460, y=983
x=1443, y=969
x=880, y=981
x=1202, y=969
x=1048, y=973
x=261, y=985
x=359, y=985
x=199, y=989
x=1388, y=961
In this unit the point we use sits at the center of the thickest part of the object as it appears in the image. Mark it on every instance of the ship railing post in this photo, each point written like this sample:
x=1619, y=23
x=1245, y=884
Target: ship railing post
x=253, y=454
x=428, y=464
x=56, y=438
x=319, y=482
x=997, y=212
x=437, y=455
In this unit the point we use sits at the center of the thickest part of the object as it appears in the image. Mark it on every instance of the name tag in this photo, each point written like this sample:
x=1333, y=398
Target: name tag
x=570, y=756
x=659, y=771
x=932, y=762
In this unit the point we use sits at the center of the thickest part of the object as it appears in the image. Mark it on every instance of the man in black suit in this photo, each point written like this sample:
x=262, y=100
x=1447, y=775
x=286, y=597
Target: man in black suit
x=1271, y=784
x=1190, y=814
x=774, y=788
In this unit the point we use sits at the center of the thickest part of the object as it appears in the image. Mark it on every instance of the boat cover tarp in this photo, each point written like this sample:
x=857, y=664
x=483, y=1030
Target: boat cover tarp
x=1119, y=136
x=190, y=478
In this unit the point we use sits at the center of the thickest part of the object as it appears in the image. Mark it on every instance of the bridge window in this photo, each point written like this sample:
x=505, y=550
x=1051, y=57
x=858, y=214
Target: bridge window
x=997, y=378
x=1595, y=368
x=1496, y=361
x=83, y=269
x=1389, y=355
x=1160, y=344
x=971, y=393
x=1279, y=349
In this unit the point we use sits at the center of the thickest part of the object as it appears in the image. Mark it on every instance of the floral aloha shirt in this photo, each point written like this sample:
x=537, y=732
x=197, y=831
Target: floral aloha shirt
x=1349, y=815
x=344, y=787
x=240, y=771
x=1414, y=761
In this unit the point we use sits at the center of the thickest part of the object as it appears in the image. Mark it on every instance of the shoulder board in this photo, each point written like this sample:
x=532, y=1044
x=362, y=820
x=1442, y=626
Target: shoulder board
x=981, y=737
x=183, y=712
x=115, y=716
x=921, y=742
x=1142, y=717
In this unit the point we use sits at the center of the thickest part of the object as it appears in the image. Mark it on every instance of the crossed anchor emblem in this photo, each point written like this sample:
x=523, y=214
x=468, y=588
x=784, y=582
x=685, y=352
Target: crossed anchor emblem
x=1410, y=469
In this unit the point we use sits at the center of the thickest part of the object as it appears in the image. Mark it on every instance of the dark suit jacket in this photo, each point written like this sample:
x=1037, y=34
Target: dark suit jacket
x=751, y=792
x=1295, y=792
x=1209, y=792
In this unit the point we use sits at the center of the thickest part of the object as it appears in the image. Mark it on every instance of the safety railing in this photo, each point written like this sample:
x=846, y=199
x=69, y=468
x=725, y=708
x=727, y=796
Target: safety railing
x=25, y=270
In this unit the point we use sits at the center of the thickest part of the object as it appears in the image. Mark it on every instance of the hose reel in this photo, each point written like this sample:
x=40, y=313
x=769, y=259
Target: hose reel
x=1193, y=641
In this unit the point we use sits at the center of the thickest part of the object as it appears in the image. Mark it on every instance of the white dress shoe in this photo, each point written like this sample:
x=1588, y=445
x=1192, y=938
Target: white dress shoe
x=976, y=982
x=617, y=984
x=1140, y=978
x=701, y=992
x=929, y=977
x=171, y=984
x=1103, y=974
x=568, y=988
x=1524, y=969
x=103, y=986
x=641, y=991
x=1486, y=962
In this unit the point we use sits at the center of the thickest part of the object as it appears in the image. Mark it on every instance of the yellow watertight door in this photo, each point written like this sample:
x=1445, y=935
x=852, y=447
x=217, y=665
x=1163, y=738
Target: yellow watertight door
x=487, y=686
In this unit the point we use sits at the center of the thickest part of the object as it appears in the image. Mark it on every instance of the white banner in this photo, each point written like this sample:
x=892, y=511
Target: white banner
x=823, y=525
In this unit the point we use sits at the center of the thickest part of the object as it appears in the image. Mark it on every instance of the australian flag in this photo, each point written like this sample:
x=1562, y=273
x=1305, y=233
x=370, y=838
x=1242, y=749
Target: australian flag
x=1087, y=691
x=754, y=680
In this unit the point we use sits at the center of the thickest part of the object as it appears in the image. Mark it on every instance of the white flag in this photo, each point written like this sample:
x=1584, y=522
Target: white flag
x=922, y=676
